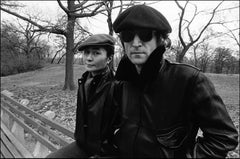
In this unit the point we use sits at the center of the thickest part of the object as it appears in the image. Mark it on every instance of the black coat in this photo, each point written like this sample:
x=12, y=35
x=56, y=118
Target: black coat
x=94, y=117
x=163, y=108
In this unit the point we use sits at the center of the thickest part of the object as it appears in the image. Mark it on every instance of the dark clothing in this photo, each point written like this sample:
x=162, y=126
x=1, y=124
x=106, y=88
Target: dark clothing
x=163, y=108
x=95, y=113
x=69, y=151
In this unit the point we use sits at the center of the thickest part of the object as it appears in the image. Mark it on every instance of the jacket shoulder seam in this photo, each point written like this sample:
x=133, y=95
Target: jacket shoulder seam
x=184, y=64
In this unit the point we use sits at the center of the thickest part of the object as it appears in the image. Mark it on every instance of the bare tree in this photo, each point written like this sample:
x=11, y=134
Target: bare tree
x=201, y=43
x=62, y=46
x=27, y=42
x=182, y=21
x=80, y=34
x=10, y=42
x=176, y=49
x=204, y=57
x=222, y=58
x=73, y=10
x=21, y=50
x=111, y=6
x=30, y=38
x=231, y=26
x=230, y=33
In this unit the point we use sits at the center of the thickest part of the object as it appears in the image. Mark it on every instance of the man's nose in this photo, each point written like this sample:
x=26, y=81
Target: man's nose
x=136, y=41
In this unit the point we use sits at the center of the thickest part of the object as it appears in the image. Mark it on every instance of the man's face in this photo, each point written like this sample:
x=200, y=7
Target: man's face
x=139, y=45
x=95, y=58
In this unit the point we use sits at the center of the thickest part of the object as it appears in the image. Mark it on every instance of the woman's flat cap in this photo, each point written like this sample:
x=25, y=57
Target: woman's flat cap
x=97, y=40
x=141, y=16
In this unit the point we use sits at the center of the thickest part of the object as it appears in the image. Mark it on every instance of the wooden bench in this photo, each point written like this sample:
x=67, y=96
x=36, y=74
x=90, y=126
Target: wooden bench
x=27, y=134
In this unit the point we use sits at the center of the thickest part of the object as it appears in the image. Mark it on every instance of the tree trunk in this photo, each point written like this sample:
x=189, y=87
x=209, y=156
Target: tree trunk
x=110, y=27
x=180, y=55
x=195, y=56
x=69, y=83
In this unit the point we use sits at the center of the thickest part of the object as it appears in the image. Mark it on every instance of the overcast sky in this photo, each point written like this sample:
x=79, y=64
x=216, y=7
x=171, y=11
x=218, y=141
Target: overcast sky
x=98, y=24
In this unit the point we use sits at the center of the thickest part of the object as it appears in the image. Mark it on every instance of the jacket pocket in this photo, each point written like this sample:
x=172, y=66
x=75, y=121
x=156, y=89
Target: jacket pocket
x=173, y=137
x=171, y=140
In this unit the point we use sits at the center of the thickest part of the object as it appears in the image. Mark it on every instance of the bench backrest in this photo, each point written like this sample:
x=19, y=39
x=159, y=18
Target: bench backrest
x=49, y=135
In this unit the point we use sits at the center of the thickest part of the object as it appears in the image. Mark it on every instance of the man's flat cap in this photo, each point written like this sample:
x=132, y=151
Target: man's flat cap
x=97, y=40
x=141, y=16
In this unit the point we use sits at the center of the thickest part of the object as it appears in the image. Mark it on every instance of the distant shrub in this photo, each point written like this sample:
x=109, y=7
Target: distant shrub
x=11, y=67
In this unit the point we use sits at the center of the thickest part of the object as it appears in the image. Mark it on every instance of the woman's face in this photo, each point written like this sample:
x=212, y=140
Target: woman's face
x=95, y=59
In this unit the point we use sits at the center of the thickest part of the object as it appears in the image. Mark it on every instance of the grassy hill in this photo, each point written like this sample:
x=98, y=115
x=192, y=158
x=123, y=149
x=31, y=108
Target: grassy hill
x=52, y=75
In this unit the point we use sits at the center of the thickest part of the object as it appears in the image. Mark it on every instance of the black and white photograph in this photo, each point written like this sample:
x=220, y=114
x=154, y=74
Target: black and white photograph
x=120, y=79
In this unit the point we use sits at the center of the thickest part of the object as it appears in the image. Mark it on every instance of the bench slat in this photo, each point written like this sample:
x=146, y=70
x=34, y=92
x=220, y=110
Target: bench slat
x=31, y=121
x=10, y=145
x=5, y=152
x=40, y=117
x=25, y=153
x=34, y=133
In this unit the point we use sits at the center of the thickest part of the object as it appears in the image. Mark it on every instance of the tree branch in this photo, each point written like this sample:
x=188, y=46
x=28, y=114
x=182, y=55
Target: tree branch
x=41, y=28
x=93, y=13
x=120, y=11
x=63, y=8
x=21, y=17
x=189, y=23
x=10, y=4
x=235, y=7
x=232, y=35
x=80, y=4
x=209, y=22
x=180, y=22
x=85, y=7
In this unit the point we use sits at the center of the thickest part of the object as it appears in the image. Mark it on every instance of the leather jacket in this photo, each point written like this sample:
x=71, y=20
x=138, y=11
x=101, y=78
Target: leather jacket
x=94, y=116
x=163, y=108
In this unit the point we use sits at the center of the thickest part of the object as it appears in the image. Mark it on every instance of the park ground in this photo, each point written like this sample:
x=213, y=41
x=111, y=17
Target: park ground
x=43, y=89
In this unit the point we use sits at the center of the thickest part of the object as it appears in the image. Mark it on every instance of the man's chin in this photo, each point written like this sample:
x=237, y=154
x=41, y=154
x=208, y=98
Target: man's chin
x=138, y=61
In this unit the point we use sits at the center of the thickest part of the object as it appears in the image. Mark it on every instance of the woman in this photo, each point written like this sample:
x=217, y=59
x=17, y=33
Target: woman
x=95, y=114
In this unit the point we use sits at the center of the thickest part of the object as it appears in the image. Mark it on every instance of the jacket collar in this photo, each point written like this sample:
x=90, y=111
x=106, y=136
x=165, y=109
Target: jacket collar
x=87, y=74
x=101, y=80
x=126, y=70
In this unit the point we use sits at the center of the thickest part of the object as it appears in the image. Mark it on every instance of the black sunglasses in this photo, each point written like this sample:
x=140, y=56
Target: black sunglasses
x=143, y=34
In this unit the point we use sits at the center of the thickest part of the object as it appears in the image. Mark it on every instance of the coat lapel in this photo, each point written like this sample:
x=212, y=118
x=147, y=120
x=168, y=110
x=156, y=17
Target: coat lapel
x=103, y=81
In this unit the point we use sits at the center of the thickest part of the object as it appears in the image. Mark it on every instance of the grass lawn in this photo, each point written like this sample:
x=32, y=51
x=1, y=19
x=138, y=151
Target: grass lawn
x=228, y=88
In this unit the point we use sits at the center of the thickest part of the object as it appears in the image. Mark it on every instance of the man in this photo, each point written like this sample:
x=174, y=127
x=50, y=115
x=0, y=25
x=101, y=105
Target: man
x=164, y=104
